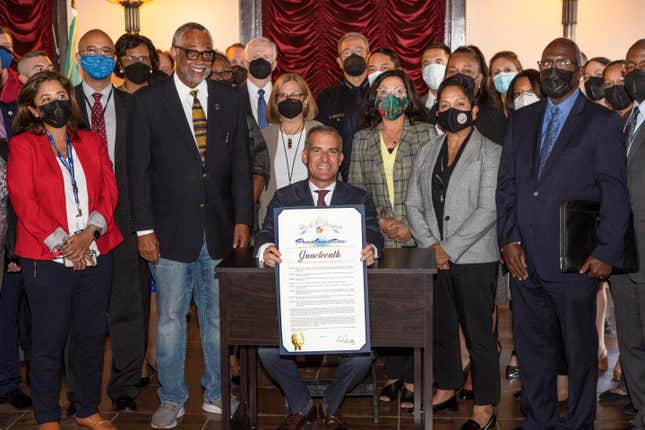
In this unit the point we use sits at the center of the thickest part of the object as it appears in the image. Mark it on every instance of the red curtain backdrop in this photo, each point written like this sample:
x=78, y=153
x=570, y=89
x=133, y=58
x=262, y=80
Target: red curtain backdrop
x=307, y=33
x=30, y=24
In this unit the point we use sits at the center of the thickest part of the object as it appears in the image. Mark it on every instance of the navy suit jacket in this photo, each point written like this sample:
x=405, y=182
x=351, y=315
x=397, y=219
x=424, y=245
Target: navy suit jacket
x=168, y=190
x=588, y=162
x=299, y=194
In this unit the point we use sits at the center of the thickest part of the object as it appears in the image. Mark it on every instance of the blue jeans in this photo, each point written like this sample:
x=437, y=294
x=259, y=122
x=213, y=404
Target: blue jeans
x=175, y=285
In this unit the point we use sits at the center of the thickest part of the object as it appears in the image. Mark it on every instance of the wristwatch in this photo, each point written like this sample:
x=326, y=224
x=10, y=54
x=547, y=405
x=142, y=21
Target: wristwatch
x=97, y=234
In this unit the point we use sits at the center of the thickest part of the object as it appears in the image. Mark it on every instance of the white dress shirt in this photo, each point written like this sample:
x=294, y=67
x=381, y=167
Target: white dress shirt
x=74, y=222
x=109, y=114
x=186, y=99
x=254, y=97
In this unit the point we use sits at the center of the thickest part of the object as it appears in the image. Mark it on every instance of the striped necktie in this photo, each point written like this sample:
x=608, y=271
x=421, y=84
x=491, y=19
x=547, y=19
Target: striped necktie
x=630, y=128
x=200, y=126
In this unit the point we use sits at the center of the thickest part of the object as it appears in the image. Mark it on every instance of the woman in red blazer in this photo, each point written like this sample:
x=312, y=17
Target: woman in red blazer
x=63, y=190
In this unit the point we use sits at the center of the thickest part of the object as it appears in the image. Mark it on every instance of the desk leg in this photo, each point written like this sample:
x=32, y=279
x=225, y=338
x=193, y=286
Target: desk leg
x=243, y=413
x=226, y=386
x=418, y=386
x=253, y=392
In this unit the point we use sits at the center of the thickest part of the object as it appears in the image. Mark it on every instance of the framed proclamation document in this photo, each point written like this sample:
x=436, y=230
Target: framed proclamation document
x=321, y=282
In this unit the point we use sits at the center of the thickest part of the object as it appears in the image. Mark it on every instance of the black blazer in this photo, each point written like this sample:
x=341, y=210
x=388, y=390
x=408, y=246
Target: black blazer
x=587, y=163
x=122, y=107
x=299, y=194
x=169, y=192
x=8, y=112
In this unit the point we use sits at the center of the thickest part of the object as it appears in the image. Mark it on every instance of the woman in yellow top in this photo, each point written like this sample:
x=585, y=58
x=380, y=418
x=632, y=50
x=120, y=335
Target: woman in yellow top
x=383, y=152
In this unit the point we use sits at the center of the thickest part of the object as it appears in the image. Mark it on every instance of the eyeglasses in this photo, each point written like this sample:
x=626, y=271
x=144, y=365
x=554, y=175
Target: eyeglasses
x=192, y=54
x=108, y=52
x=132, y=59
x=397, y=92
x=361, y=52
x=222, y=76
x=284, y=96
x=558, y=64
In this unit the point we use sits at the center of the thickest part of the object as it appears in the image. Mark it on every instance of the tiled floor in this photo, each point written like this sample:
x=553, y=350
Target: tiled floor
x=357, y=411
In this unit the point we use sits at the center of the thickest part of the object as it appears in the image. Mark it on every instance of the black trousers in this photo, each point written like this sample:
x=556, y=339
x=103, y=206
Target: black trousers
x=59, y=297
x=542, y=313
x=465, y=295
x=128, y=316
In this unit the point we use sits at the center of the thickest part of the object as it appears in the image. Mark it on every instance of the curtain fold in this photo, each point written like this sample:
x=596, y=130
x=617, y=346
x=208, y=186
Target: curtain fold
x=30, y=24
x=307, y=32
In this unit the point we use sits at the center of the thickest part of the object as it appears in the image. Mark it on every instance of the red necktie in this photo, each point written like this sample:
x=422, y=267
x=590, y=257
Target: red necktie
x=321, y=197
x=98, y=120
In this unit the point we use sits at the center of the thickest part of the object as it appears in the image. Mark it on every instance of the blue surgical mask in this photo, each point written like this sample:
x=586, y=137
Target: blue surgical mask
x=97, y=66
x=6, y=57
x=503, y=80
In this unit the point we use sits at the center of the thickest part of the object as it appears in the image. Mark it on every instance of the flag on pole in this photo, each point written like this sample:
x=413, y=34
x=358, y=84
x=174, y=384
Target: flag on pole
x=71, y=66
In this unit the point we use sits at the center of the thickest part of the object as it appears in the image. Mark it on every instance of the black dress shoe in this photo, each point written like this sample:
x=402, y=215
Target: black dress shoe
x=466, y=394
x=297, y=422
x=473, y=425
x=611, y=396
x=17, y=399
x=630, y=410
x=450, y=404
x=125, y=404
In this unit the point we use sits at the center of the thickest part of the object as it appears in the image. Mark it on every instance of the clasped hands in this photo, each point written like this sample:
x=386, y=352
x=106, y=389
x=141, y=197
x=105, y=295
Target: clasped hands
x=76, y=247
x=394, y=230
x=271, y=255
x=515, y=260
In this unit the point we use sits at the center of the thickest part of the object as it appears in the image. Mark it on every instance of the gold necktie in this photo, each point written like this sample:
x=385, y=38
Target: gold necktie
x=200, y=126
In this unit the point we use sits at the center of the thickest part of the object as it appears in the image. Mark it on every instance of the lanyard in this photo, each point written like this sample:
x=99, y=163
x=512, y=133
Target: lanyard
x=295, y=154
x=69, y=166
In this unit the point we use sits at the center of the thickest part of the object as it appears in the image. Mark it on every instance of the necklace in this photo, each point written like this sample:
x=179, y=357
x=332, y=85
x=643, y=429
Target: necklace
x=295, y=153
x=389, y=136
x=289, y=140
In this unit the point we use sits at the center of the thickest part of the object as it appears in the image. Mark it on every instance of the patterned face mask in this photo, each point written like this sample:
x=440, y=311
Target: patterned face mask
x=391, y=107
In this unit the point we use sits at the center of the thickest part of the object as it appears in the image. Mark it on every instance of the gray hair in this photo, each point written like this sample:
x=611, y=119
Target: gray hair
x=251, y=43
x=352, y=34
x=27, y=56
x=190, y=26
x=326, y=129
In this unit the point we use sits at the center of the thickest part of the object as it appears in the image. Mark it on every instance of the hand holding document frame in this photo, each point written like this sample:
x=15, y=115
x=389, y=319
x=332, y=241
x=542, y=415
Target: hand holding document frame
x=321, y=282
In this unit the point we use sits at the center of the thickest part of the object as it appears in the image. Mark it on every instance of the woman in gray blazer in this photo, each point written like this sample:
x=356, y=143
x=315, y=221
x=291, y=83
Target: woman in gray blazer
x=291, y=110
x=450, y=206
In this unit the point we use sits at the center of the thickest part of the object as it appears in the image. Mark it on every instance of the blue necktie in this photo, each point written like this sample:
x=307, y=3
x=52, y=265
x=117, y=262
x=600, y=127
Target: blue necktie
x=630, y=128
x=262, y=110
x=550, y=138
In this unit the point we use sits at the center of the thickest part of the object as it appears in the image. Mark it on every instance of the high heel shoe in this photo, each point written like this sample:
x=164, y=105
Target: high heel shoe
x=466, y=394
x=512, y=372
x=473, y=425
x=391, y=391
x=450, y=404
x=407, y=396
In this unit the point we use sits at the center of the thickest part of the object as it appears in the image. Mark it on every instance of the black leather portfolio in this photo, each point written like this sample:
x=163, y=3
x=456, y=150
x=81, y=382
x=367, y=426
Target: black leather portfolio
x=578, y=228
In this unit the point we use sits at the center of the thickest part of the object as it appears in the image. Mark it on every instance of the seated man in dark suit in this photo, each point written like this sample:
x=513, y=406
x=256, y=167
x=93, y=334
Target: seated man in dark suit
x=323, y=157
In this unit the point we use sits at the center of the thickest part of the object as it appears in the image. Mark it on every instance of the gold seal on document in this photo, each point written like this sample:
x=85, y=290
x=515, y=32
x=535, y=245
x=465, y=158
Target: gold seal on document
x=298, y=339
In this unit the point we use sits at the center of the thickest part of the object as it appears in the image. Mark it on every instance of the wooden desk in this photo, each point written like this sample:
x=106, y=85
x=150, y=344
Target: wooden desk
x=400, y=300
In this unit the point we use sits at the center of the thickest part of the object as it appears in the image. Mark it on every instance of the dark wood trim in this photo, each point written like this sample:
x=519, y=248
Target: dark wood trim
x=60, y=33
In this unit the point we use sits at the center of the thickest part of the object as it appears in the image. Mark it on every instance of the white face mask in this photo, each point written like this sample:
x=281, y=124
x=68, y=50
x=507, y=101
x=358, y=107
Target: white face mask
x=524, y=100
x=372, y=76
x=433, y=74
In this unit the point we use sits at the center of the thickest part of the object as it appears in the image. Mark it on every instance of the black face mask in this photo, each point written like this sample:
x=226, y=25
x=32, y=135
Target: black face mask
x=56, y=113
x=594, y=88
x=470, y=81
x=138, y=73
x=238, y=75
x=354, y=65
x=290, y=108
x=617, y=97
x=635, y=84
x=260, y=68
x=556, y=83
x=454, y=120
